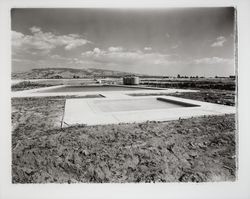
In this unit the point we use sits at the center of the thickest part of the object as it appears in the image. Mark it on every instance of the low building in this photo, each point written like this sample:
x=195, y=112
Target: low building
x=131, y=80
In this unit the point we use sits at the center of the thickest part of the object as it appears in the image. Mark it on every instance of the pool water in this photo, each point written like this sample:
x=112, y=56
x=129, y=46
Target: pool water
x=137, y=104
x=89, y=89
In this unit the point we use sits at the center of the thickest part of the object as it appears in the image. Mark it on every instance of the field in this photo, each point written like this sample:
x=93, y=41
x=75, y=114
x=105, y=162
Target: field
x=225, y=83
x=191, y=150
x=223, y=97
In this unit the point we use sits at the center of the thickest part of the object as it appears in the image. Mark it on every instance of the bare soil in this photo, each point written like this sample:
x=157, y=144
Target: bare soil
x=187, y=150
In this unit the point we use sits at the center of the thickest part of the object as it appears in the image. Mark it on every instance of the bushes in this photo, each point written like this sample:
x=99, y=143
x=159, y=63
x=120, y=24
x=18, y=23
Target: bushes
x=191, y=84
x=25, y=85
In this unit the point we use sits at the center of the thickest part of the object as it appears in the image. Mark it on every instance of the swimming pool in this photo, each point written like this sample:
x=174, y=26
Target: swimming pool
x=92, y=89
x=126, y=110
x=137, y=104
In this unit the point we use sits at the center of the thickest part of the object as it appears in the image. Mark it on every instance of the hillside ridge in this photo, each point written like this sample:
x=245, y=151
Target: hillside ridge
x=67, y=73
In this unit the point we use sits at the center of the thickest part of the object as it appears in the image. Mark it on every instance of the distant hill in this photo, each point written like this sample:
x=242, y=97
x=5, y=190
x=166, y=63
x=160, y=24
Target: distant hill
x=57, y=73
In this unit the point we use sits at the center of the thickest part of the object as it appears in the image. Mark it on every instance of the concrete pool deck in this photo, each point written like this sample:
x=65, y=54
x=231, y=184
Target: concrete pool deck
x=40, y=92
x=84, y=111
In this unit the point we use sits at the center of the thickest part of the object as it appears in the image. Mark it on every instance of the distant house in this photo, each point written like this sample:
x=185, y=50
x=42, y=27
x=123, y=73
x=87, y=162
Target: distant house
x=57, y=77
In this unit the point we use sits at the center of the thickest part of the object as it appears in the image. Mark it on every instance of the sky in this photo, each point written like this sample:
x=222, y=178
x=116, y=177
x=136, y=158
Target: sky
x=169, y=41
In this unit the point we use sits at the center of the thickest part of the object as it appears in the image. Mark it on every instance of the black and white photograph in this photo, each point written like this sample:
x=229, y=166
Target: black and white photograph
x=123, y=95
x=107, y=101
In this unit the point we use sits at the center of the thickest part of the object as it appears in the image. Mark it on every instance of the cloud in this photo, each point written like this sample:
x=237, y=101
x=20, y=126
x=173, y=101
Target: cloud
x=44, y=42
x=167, y=35
x=146, y=62
x=21, y=60
x=97, y=51
x=59, y=57
x=147, y=48
x=213, y=60
x=219, y=42
x=17, y=38
x=56, y=57
x=115, y=49
x=35, y=29
x=126, y=57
